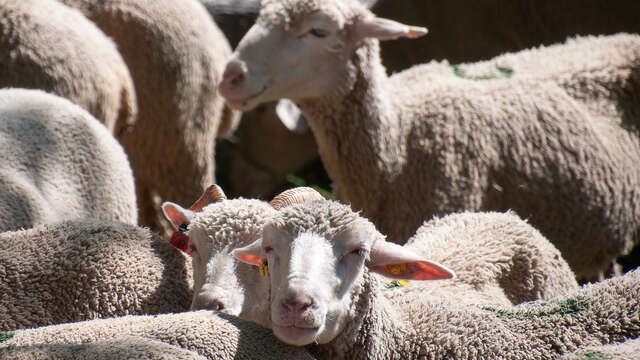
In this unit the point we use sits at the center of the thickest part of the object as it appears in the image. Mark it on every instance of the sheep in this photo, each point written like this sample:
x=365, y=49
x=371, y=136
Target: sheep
x=321, y=257
x=176, y=55
x=405, y=148
x=45, y=45
x=57, y=162
x=627, y=350
x=87, y=269
x=498, y=259
x=202, y=332
x=213, y=227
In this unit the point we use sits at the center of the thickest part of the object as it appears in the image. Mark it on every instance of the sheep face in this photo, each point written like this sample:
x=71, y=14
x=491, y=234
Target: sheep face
x=220, y=282
x=317, y=254
x=309, y=42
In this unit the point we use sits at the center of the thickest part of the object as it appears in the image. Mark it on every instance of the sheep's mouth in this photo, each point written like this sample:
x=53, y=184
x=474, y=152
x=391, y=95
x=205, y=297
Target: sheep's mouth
x=296, y=335
x=245, y=103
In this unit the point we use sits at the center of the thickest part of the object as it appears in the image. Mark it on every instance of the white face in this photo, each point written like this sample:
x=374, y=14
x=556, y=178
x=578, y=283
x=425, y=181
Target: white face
x=304, y=61
x=311, y=278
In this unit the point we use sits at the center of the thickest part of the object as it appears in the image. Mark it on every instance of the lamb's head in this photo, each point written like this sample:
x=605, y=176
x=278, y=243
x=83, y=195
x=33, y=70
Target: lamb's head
x=317, y=254
x=209, y=231
x=301, y=49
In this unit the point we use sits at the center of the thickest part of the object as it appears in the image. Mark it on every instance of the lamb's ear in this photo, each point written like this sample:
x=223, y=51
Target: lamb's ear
x=250, y=254
x=397, y=262
x=291, y=117
x=176, y=214
x=384, y=29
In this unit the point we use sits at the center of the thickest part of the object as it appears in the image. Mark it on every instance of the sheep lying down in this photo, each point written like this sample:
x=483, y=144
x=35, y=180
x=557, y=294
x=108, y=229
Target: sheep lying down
x=189, y=335
x=322, y=257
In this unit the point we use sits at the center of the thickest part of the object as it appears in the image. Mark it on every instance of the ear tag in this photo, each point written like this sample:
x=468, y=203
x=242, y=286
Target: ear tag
x=397, y=283
x=263, y=268
x=397, y=269
x=180, y=240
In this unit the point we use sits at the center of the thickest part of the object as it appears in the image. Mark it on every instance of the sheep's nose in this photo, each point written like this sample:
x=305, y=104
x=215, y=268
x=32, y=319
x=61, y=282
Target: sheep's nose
x=296, y=301
x=208, y=301
x=234, y=75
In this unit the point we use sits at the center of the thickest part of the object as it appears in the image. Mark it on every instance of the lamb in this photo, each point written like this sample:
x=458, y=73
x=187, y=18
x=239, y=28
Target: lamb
x=201, y=332
x=87, y=269
x=45, y=45
x=321, y=257
x=176, y=55
x=57, y=162
x=210, y=230
x=402, y=149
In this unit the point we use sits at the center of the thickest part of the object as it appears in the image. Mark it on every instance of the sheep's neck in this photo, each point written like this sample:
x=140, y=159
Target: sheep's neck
x=375, y=330
x=359, y=134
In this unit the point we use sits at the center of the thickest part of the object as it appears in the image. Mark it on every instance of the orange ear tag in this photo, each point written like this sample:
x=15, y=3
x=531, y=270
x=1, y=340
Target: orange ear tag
x=397, y=269
x=263, y=269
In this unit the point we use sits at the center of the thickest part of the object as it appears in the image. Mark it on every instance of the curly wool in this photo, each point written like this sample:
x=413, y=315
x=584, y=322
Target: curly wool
x=45, y=45
x=202, y=332
x=57, y=162
x=627, y=350
x=176, y=55
x=88, y=269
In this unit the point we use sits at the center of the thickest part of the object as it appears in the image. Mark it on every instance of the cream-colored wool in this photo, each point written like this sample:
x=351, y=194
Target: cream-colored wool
x=88, y=269
x=176, y=55
x=57, y=162
x=434, y=327
x=125, y=347
x=498, y=259
x=628, y=350
x=409, y=147
x=45, y=45
x=202, y=332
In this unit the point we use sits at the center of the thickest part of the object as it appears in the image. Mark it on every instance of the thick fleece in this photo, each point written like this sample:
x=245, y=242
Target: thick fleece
x=498, y=257
x=434, y=327
x=176, y=55
x=45, y=45
x=201, y=332
x=57, y=162
x=88, y=269
x=627, y=350
x=560, y=149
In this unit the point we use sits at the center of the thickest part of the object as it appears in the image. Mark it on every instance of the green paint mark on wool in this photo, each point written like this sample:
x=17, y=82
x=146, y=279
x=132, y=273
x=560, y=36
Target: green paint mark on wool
x=501, y=73
x=592, y=355
x=5, y=336
x=564, y=307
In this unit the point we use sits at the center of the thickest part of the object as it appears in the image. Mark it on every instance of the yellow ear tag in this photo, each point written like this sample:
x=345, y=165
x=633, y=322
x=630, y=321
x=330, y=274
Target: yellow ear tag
x=263, y=269
x=397, y=269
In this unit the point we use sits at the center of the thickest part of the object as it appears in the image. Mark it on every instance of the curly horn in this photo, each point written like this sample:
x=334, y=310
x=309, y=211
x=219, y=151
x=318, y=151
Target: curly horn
x=295, y=196
x=212, y=194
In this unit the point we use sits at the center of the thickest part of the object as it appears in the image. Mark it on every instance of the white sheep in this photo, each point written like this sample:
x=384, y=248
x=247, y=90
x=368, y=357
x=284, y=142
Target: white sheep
x=57, y=162
x=199, y=332
x=321, y=257
x=627, y=350
x=45, y=45
x=209, y=231
x=176, y=55
x=414, y=145
x=87, y=269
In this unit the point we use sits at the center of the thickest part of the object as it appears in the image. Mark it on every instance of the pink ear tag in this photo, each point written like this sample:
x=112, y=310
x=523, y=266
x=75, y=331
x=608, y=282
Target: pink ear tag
x=180, y=240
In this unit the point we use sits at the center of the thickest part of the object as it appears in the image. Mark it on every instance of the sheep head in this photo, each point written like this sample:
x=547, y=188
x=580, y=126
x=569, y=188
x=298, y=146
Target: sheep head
x=317, y=255
x=301, y=49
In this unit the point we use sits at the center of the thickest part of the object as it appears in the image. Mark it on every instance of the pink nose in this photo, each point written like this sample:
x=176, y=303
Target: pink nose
x=233, y=76
x=296, y=302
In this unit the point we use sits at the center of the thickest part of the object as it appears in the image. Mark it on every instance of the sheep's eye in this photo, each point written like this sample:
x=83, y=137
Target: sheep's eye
x=192, y=247
x=268, y=249
x=359, y=252
x=319, y=33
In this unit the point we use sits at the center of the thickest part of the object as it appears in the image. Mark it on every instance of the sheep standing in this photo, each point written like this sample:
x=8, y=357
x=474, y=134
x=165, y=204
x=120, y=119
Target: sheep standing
x=176, y=55
x=408, y=147
x=87, y=269
x=44, y=45
x=200, y=332
x=57, y=162
x=321, y=257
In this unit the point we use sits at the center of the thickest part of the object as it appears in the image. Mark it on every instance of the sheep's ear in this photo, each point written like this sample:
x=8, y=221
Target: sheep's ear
x=250, y=254
x=176, y=214
x=397, y=262
x=384, y=29
x=291, y=117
